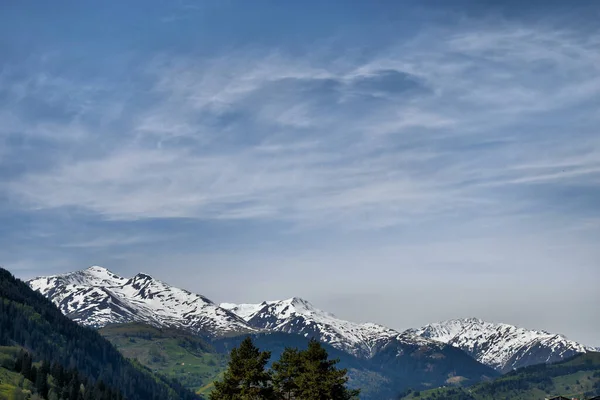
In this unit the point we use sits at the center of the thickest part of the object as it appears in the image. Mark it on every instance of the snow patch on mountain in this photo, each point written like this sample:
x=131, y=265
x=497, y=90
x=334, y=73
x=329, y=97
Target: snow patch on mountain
x=243, y=310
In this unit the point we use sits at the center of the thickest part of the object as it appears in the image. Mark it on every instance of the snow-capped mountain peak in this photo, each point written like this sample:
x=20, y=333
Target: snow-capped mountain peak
x=295, y=306
x=97, y=297
x=501, y=346
x=94, y=275
x=284, y=308
x=296, y=315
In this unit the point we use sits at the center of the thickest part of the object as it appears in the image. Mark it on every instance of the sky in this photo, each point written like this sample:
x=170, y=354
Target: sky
x=399, y=162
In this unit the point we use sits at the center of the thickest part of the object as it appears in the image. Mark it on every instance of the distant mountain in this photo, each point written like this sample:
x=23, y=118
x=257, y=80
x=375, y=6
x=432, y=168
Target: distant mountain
x=30, y=321
x=97, y=297
x=501, y=346
x=298, y=316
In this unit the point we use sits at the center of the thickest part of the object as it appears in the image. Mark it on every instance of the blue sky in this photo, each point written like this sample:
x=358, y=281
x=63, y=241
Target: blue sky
x=396, y=162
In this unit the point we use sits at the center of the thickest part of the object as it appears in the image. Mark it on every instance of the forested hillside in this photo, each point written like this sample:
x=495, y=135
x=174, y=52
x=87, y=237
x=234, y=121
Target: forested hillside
x=578, y=377
x=21, y=378
x=29, y=320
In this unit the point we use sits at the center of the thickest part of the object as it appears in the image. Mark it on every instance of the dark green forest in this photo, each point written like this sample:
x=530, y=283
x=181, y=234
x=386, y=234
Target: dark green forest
x=30, y=321
x=21, y=378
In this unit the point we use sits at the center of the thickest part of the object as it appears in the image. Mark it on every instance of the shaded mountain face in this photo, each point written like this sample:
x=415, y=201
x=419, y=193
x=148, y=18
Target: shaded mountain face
x=501, y=346
x=96, y=297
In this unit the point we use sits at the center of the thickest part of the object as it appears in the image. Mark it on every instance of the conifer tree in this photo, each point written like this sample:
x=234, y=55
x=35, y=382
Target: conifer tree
x=310, y=375
x=319, y=378
x=41, y=380
x=285, y=373
x=245, y=377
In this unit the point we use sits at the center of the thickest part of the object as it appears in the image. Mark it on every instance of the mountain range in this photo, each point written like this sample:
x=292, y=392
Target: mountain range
x=97, y=297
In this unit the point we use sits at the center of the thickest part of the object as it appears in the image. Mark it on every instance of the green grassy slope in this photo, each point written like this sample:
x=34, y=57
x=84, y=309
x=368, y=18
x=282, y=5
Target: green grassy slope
x=578, y=377
x=12, y=384
x=173, y=353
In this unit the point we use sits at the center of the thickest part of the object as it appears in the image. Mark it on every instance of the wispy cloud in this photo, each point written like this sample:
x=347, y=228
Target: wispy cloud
x=117, y=240
x=273, y=136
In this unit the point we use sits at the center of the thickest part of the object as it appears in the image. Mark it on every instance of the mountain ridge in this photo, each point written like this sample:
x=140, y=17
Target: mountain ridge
x=502, y=346
x=296, y=315
x=96, y=297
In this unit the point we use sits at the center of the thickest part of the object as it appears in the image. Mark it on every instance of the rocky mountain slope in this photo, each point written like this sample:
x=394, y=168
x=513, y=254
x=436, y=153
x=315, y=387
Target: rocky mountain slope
x=501, y=346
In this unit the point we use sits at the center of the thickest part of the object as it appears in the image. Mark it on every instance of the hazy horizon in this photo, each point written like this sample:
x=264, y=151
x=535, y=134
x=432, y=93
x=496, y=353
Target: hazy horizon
x=396, y=162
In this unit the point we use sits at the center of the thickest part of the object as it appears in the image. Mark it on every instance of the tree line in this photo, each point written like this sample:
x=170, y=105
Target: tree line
x=297, y=375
